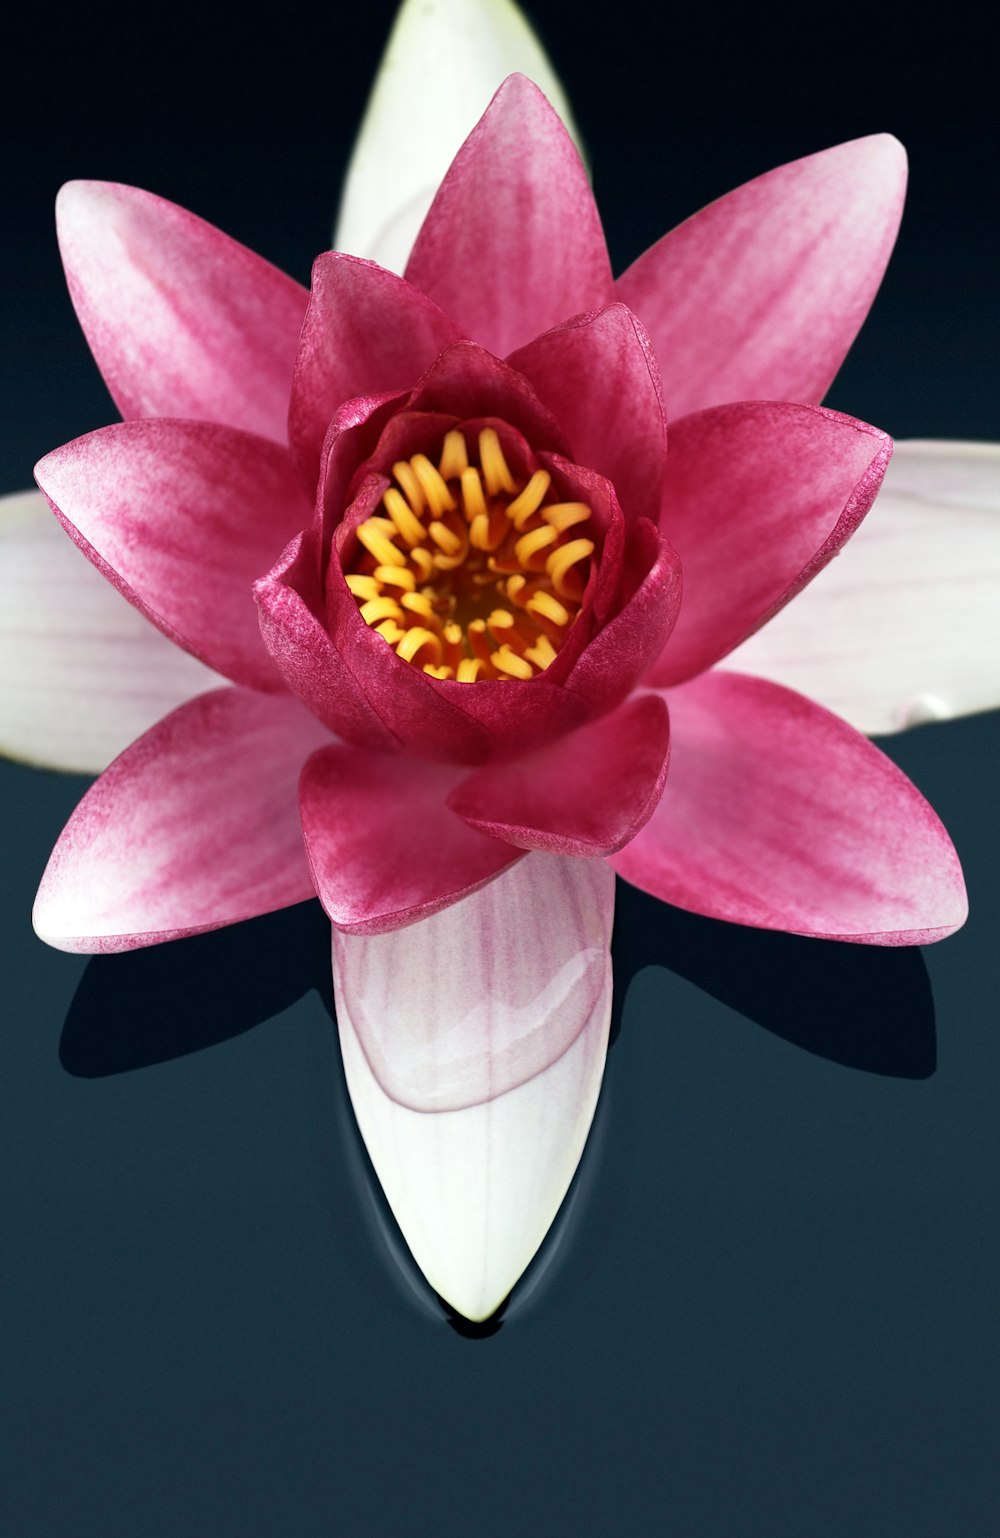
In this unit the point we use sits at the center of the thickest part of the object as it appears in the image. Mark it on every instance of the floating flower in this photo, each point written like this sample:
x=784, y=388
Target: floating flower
x=467, y=607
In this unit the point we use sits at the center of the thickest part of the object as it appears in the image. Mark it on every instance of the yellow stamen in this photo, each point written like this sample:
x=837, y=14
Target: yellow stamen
x=395, y=576
x=495, y=470
x=419, y=603
x=454, y=456
x=542, y=653
x=414, y=642
x=469, y=670
x=439, y=498
x=509, y=662
x=549, y=607
x=560, y=561
x=376, y=543
x=390, y=631
x=563, y=515
x=530, y=544
x=472, y=495
x=530, y=500
x=438, y=672
x=377, y=609
x=364, y=587
x=446, y=539
x=423, y=561
x=411, y=486
x=403, y=518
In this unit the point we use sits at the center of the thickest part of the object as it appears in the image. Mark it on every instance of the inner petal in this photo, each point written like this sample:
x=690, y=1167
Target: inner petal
x=471, y=572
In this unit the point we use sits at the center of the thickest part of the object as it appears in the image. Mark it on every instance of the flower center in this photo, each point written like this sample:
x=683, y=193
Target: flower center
x=471, y=575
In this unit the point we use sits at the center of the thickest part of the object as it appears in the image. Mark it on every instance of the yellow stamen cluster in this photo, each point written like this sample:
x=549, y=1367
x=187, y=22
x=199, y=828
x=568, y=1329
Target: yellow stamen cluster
x=470, y=574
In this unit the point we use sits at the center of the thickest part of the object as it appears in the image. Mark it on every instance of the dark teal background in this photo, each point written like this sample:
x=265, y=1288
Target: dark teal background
x=772, y=1309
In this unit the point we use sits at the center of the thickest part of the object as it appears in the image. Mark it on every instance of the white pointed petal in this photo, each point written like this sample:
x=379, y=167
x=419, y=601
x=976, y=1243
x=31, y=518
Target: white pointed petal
x=82, y=673
x=904, y=626
x=475, y=1189
x=442, y=64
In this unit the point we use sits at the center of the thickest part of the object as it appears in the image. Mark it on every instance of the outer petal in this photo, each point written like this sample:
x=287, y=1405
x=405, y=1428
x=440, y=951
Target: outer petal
x=183, y=321
x=182, y=517
x=366, y=332
x=513, y=244
x=383, y=848
x=615, y=424
x=81, y=672
x=759, y=497
x=474, y=1047
x=442, y=64
x=586, y=794
x=781, y=816
x=194, y=827
x=905, y=626
x=762, y=293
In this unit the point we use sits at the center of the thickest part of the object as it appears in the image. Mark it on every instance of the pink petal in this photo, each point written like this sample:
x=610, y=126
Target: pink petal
x=513, y=244
x=182, y=517
x=781, y=816
x=585, y=794
x=630, y=642
x=82, y=673
x=759, y=497
x=383, y=848
x=195, y=826
x=366, y=332
x=474, y=1046
x=289, y=602
x=904, y=626
x=760, y=295
x=182, y=321
x=469, y=382
x=482, y=996
x=615, y=424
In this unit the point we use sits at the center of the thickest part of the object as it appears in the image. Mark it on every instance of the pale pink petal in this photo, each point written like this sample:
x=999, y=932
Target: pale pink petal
x=82, y=673
x=513, y=243
x=586, y=794
x=442, y=64
x=366, y=332
x=383, y=847
x=183, y=517
x=474, y=1046
x=182, y=320
x=598, y=377
x=759, y=497
x=779, y=815
x=760, y=295
x=905, y=626
x=194, y=827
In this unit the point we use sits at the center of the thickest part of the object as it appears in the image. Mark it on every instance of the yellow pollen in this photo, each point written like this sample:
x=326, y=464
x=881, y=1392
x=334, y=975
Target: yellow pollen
x=469, y=570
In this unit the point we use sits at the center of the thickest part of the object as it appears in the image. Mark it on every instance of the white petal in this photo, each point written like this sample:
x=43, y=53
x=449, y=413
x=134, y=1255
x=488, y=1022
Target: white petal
x=475, y=1189
x=82, y=673
x=442, y=64
x=904, y=626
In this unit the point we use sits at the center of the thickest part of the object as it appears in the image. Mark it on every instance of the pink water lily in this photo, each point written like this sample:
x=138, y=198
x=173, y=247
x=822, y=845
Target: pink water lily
x=456, y=612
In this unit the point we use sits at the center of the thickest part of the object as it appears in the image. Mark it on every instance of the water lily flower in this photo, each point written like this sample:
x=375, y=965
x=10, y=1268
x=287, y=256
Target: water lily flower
x=446, y=619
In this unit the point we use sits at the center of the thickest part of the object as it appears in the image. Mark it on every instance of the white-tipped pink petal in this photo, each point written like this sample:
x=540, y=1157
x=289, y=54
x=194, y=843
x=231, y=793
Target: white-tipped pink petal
x=513, y=244
x=82, y=673
x=779, y=815
x=442, y=64
x=183, y=517
x=904, y=626
x=195, y=826
x=760, y=295
x=182, y=320
x=474, y=1045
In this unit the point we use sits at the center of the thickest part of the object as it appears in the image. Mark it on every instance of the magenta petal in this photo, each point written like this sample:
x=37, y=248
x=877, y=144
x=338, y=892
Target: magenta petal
x=366, y=332
x=513, y=243
x=586, y=794
x=383, y=848
x=465, y=1006
x=193, y=827
x=182, y=517
x=780, y=815
x=467, y=381
x=759, y=497
x=760, y=295
x=615, y=424
x=183, y=321
x=309, y=663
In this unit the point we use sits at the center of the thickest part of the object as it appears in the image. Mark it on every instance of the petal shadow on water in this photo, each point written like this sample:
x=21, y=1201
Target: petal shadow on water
x=144, y=1007
x=864, y=1006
